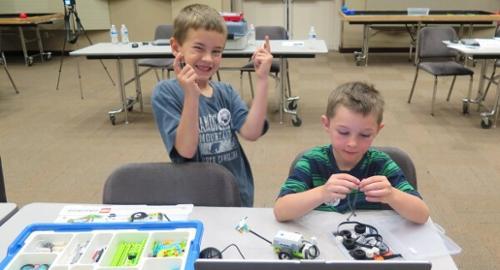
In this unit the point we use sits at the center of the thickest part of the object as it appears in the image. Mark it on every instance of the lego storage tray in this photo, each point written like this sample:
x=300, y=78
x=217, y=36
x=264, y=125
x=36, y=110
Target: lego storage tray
x=106, y=246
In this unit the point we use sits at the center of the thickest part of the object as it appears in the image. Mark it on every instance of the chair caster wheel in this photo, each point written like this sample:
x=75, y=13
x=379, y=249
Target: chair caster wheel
x=296, y=121
x=465, y=108
x=30, y=61
x=486, y=123
x=48, y=56
x=112, y=118
x=292, y=105
x=130, y=104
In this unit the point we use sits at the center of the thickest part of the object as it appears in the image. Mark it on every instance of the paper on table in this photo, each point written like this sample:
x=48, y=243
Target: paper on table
x=80, y=213
x=293, y=43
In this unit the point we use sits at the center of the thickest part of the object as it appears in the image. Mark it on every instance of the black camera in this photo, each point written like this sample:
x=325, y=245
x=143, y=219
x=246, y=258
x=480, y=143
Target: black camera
x=69, y=2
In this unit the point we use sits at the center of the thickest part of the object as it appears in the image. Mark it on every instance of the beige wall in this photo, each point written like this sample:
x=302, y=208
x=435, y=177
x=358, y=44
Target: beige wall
x=142, y=16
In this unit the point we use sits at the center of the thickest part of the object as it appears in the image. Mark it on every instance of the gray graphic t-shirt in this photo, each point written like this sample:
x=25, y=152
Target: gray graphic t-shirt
x=220, y=117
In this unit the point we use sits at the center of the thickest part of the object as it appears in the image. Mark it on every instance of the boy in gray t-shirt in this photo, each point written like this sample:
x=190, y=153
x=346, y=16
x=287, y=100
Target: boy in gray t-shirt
x=198, y=118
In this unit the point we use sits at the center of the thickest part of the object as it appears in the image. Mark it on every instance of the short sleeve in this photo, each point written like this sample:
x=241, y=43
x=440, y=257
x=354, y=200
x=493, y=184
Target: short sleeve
x=300, y=179
x=167, y=101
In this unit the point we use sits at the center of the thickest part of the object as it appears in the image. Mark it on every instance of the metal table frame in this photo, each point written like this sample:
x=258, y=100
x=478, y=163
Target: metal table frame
x=371, y=18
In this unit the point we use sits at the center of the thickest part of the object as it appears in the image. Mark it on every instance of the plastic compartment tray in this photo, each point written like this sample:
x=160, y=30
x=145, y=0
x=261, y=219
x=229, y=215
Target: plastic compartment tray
x=76, y=246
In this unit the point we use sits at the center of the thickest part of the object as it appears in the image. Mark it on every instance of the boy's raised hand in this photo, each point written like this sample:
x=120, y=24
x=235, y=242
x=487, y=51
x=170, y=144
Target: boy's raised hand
x=338, y=186
x=186, y=76
x=376, y=188
x=263, y=59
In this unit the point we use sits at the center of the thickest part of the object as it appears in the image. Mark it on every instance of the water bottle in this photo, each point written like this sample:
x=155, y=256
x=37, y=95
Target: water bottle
x=312, y=33
x=124, y=33
x=251, y=35
x=114, y=34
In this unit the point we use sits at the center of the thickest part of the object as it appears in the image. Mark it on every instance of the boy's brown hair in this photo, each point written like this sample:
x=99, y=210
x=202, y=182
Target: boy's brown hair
x=358, y=97
x=198, y=16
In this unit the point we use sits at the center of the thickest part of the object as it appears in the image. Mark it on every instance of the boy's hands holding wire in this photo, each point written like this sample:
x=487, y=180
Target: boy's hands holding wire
x=186, y=76
x=263, y=59
x=338, y=186
x=376, y=188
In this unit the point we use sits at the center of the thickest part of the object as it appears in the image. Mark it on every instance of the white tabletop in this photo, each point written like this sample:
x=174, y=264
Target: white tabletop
x=488, y=48
x=6, y=210
x=288, y=48
x=219, y=229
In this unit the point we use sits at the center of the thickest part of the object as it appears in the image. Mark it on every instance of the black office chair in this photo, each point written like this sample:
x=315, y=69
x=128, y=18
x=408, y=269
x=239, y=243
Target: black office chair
x=3, y=195
x=201, y=184
x=399, y=156
x=3, y=62
x=437, y=59
x=163, y=31
x=493, y=78
x=274, y=33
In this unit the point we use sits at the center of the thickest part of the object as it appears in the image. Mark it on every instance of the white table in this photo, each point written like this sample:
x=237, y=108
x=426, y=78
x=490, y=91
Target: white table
x=6, y=211
x=487, y=49
x=281, y=49
x=219, y=229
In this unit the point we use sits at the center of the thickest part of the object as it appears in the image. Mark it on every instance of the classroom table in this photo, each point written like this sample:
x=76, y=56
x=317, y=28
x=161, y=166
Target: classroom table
x=6, y=211
x=488, y=49
x=219, y=229
x=413, y=23
x=33, y=20
x=281, y=49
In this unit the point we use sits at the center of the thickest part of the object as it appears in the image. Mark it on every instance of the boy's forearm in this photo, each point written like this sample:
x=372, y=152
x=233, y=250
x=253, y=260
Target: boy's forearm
x=293, y=206
x=186, y=140
x=252, y=129
x=409, y=206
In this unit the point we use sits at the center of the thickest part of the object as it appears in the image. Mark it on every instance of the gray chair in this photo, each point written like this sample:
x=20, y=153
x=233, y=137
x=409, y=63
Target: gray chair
x=3, y=62
x=3, y=195
x=399, y=156
x=437, y=59
x=274, y=33
x=202, y=184
x=493, y=78
x=163, y=31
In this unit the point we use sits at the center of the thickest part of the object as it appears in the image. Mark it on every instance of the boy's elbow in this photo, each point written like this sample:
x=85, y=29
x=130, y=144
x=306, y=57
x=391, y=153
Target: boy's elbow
x=278, y=215
x=186, y=153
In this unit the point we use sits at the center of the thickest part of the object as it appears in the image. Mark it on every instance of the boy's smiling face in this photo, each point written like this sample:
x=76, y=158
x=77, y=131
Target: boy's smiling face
x=351, y=134
x=202, y=50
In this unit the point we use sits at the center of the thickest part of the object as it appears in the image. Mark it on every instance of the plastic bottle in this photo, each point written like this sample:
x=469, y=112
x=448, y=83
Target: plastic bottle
x=251, y=34
x=114, y=34
x=124, y=33
x=312, y=33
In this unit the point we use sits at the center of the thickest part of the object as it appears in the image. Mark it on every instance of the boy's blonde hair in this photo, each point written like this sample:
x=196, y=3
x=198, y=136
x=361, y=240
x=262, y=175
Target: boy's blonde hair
x=358, y=97
x=198, y=16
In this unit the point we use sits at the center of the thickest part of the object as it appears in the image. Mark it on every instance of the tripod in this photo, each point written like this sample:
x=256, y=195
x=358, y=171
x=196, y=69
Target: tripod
x=73, y=27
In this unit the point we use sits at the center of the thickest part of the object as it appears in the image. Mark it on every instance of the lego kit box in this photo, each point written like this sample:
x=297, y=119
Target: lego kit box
x=106, y=246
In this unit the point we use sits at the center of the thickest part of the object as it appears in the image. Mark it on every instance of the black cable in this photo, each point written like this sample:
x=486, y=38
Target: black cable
x=260, y=236
x=352, y=205
x=237, y=248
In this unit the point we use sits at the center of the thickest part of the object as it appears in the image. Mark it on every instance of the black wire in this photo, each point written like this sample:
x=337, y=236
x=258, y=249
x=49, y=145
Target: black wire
x=260, y=236
x=237, y=248
x=352, y=205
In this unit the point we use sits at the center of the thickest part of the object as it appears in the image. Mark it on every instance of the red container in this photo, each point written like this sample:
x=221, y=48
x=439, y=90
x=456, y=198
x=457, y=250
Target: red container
x=232, y=16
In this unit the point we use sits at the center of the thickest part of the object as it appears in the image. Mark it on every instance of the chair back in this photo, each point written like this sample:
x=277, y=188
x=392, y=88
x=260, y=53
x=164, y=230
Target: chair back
x=3, y=195
x=430, y=42
x=164, y=31
x=274, y=32
x=399, y=156
x=202, y=184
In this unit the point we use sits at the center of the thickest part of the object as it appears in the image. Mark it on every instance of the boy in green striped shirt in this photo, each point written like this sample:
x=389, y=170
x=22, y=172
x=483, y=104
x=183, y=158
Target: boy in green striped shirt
x=347, y=172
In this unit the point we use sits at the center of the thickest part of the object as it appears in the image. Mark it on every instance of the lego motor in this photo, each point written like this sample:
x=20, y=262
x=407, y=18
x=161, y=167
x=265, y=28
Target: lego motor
x=288, y=245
